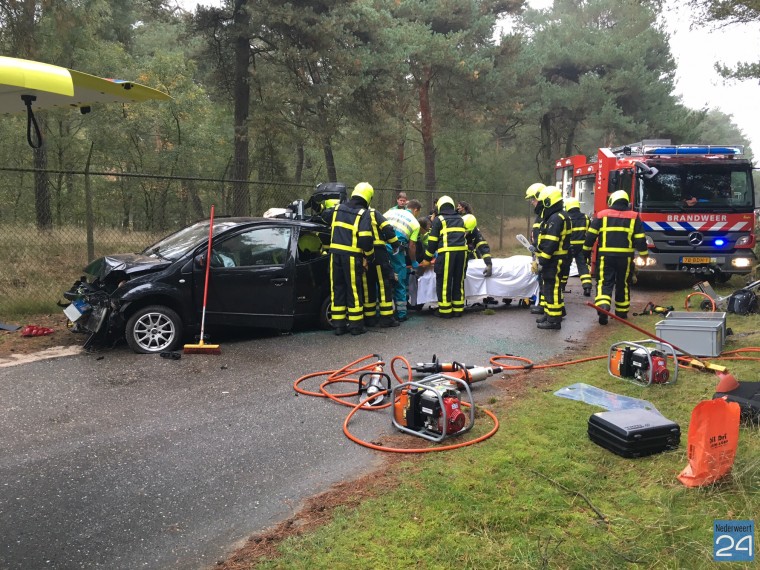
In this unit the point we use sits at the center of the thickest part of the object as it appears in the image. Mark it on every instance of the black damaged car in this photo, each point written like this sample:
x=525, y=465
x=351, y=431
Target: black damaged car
x=264, y=273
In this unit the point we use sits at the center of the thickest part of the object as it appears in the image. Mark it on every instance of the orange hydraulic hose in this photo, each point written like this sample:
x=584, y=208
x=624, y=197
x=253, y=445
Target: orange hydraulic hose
x=687, y=306
x=343, y=375
x=499, y=361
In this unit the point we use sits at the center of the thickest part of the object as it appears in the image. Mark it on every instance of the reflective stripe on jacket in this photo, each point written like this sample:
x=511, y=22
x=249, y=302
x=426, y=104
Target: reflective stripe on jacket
x=477, y=244
x=406, y=225
x=554, y=235
x=351, y=231
x=580, y=223
x=447, y=234
x=382, y=230
x=620, y=232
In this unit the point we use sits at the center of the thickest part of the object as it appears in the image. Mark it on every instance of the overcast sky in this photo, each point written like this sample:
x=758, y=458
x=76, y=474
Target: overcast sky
x=695, y=52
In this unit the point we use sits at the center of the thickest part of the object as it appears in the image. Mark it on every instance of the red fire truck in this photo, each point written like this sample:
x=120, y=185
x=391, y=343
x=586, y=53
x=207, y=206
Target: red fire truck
x=696, y=202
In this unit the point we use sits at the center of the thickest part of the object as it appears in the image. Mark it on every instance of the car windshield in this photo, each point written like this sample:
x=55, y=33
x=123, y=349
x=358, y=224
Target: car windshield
x=700, y=188
x=179, y=243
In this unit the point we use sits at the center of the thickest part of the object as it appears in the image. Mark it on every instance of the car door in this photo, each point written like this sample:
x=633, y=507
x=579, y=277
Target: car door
x=250, y=279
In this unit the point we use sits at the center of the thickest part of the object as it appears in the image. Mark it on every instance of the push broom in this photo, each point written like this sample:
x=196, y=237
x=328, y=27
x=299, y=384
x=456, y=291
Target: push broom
x=201, y=347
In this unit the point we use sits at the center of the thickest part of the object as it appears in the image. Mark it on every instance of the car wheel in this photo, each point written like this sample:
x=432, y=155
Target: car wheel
x=325, y=314
x=154, y=329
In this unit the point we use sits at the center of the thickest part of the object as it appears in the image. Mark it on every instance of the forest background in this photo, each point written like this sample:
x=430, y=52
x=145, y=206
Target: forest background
x=270, y=98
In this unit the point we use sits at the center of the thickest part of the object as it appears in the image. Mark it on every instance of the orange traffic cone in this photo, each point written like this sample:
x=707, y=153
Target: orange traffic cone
x=726, y=382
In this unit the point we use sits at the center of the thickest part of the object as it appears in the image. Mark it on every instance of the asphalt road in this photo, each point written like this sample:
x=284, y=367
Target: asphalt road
x=123, y=461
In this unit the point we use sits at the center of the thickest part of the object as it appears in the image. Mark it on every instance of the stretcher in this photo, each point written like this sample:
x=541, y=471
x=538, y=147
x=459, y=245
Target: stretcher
x=511, y=279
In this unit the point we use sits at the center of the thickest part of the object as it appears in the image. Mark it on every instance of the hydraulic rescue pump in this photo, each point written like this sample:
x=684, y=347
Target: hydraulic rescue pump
x=432, y=408
x=643, y=362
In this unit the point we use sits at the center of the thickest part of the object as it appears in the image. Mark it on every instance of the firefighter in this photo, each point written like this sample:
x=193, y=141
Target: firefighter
x=531, y=194
x=407, y=228
x=351, y=250
x=379, y=279
x=325, y=214
x=579, y=222
x=620, y=234
x=552, y=255
x=477, y=246
x=447, y=240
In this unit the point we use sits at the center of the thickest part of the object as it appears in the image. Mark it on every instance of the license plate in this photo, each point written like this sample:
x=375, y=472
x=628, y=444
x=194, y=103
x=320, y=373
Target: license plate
x=72, y=312
x=696, y=260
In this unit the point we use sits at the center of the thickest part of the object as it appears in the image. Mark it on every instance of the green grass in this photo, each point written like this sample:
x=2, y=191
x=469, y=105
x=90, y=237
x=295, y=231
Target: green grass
x=517, y=500
x=39, y=265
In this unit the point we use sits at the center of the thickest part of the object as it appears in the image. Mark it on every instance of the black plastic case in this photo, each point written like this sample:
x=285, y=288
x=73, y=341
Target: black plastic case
x=747, y=395
x=633, y=433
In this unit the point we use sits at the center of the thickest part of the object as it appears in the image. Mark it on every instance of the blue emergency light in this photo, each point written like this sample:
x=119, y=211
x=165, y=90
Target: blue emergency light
x=695, y=149
x=720, y=242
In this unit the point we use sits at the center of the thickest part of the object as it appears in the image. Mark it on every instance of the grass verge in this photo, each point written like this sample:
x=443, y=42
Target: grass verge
x=539, y=494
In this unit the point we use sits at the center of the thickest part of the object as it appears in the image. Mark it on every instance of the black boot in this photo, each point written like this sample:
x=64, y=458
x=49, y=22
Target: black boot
x=603, y=319
x=587, y=291
x=340, y=330
x=357, y=330
x=536, y=310
x=541, y=319
x=386, y=322
x=551, y=323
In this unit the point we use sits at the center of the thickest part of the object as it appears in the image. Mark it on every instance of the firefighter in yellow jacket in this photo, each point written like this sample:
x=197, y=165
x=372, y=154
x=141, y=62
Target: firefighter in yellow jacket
x=531, y=194
x=620, y=234
x=552, y=254
x=378, y=279
x=448, y=245
x=351, y=251
x=579, y=222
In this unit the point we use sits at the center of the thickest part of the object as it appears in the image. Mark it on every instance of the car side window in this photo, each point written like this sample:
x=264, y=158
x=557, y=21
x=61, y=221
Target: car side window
x=259, y=246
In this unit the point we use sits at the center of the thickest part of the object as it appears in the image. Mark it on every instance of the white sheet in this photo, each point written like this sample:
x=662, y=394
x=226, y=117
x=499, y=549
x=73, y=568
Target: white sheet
x=511, y=278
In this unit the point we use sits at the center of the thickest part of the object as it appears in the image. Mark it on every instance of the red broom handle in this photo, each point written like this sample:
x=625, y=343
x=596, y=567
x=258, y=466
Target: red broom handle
x=208, y=265
x=650, y=335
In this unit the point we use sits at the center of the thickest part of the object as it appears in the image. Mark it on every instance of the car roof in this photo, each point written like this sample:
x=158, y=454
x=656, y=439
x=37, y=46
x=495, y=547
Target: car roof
x=237, y=221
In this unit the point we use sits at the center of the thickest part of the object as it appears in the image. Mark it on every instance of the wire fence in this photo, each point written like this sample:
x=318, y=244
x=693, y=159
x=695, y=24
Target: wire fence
x=88, y=215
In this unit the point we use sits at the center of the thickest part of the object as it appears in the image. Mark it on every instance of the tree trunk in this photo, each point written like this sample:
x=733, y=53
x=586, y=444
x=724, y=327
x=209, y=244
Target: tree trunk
x=569, y=142
x=242, y=96
x=196, y=207
x=332, y=173
x=299, y=163
x=426, y=128
x=545, y=155
x=89, y=217
x=398, y=166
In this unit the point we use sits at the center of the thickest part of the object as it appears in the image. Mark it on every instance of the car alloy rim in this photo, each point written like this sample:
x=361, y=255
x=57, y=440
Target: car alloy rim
x=154, y=331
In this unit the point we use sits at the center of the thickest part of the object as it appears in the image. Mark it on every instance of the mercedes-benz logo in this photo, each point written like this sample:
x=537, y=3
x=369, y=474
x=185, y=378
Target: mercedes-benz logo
x=696, y=238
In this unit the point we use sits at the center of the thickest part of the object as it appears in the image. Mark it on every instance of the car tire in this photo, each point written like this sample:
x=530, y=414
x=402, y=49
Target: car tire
x=325, y=314
x=154, y=329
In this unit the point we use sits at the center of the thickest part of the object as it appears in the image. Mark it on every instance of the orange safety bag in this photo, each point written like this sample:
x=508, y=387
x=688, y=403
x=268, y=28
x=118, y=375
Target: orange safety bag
x=712, y=441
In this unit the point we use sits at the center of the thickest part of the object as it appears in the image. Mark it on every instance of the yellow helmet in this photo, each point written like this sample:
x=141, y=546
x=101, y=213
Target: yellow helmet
x=470, y=222
x=309, y=242
x=571, y=203
x=444, y=200
x=533, y=190
x=549, y=196
x=617, y=195
x=364, y=190
x=331, y=203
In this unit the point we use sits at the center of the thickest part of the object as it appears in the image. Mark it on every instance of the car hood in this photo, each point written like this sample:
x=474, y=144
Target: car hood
x=131, y=264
